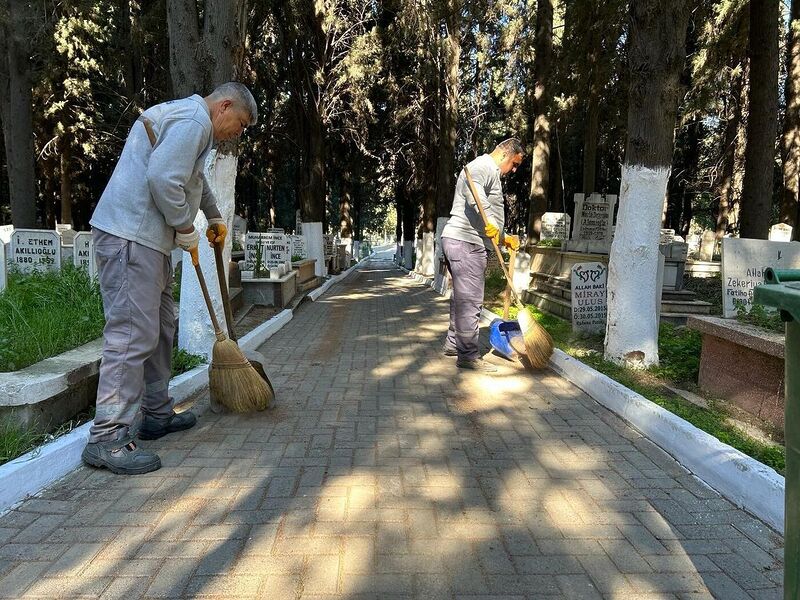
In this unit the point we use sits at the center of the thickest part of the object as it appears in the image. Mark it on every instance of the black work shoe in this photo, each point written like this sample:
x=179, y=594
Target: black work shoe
x=449, y=350
x=121, y=456
x=152, y=429
x=477, y=364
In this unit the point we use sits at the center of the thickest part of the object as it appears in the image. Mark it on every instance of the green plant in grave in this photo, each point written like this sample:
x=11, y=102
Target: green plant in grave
x=258, y=269
x=296, y=258
x=551, y=243
x=759, y=316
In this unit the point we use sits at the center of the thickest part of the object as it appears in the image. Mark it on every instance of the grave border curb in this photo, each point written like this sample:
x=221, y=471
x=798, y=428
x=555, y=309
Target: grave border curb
x=31, y=473
x=744, y=481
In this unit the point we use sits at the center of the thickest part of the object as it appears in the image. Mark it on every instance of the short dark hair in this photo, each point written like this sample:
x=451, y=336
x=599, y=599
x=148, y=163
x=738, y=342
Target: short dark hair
x=512, y=145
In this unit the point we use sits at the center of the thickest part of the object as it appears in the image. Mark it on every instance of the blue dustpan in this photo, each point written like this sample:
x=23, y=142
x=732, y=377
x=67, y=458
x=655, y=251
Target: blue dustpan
x=500, y=334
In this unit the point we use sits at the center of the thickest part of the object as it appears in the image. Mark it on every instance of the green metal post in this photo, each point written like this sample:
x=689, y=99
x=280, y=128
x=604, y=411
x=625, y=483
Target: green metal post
x=791, y=579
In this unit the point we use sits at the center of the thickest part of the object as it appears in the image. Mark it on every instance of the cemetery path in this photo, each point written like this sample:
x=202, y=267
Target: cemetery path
x=384, y=472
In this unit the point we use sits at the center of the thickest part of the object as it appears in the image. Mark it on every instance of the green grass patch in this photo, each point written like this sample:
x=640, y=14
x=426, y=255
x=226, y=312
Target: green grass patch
x=16, y=441
x=679, y=353
x=182, y=361
x=44, y=314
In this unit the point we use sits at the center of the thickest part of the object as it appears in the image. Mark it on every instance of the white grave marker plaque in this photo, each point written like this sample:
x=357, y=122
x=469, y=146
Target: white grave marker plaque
x=36, y=249
x=593, y=217
x=5, y=233
x=66, y=233
x=743, y=264
x=298, y=244
x=667, y=236
x=589, y=297
x=780, y=233
x=3, y=266
x=555, y=226
x=82, y=250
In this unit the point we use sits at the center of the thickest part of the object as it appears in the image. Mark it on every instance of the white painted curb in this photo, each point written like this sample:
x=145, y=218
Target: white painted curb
x=28, y=474
x=743, y=480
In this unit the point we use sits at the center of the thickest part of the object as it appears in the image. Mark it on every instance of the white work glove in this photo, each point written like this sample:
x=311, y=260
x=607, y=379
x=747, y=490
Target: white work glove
x=188, y=242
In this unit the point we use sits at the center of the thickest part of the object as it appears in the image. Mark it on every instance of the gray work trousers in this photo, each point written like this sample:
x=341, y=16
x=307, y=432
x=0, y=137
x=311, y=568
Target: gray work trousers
x=467, y=265
x=136, y=285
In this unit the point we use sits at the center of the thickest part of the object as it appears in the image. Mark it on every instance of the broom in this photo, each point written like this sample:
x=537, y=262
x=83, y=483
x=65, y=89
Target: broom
x=538, y=343
x=232, y=380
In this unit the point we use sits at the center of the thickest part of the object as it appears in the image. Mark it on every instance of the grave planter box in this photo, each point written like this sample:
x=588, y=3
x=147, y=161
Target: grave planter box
x=743, y=365
x=305, y=269
x=44, y=395
x=270, y=292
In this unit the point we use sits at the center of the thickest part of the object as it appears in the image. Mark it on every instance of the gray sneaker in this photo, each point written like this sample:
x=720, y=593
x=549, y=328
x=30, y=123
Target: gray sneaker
x=121, y=456
x=152, y=429
x=449, y=350
x=477, y=364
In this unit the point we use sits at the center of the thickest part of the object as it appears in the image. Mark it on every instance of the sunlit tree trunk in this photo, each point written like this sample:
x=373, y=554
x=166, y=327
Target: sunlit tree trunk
x=656, y=51
x=790, y=146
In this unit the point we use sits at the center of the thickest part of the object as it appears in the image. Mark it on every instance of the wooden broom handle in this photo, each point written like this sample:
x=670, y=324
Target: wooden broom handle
x=494, y=243
x=512, y=254
x=223, y=290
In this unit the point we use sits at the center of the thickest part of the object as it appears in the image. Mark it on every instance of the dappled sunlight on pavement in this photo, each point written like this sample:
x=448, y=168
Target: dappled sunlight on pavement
x=383, y=471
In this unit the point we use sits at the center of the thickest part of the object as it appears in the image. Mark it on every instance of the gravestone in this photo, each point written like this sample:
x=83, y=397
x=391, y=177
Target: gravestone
x=35, y=249
x=274, y=249
x=239, y=228
x=5, y=233
x=66, y=233
x=298, y=223
x=589, y=303
x=82, y=250
x=708, y=244
x=594, y=217
x=276, y=230
x=667, y=236
x=780, y=233
x=329, y=246
x=298, y=245
x=3, y=266
x=555, y=226
x=743, y=264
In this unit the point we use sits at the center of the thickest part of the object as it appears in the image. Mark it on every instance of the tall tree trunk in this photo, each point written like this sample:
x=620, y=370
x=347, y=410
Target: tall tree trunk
x=656, y=51
x=16, y=109
x=728, y=187
x=542, y=67
x=66, y=180
x=312, y=193
x=346, y=202
x=790, y=143
x=448, y=119
x=762, y=121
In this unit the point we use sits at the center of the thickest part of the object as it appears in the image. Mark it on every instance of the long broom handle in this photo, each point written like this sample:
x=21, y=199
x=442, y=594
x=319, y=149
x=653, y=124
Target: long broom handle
x=507, y=294
x=206, y=297
x=494, y=243
x=223, y=290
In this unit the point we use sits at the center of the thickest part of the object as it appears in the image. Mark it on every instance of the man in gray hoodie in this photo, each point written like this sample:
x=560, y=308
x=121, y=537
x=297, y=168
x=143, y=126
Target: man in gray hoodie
x=466, y=241
x=147, y=209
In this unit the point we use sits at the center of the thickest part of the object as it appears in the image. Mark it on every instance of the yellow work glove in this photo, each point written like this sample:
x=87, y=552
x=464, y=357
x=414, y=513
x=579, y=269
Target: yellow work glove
x=216, y=232
x=188, y=242
x=492, y=232
x=511, y=242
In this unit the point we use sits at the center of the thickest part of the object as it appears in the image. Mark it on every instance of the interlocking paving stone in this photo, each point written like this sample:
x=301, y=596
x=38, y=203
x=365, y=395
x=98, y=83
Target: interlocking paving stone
x=384, y=472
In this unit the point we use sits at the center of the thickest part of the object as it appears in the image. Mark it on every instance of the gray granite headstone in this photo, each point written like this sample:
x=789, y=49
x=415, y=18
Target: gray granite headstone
x=743, y=264
x=35, y=249
x=589, y=302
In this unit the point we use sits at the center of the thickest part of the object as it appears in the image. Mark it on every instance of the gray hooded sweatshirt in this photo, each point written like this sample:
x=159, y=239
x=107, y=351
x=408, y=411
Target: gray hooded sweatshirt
x=155, y=190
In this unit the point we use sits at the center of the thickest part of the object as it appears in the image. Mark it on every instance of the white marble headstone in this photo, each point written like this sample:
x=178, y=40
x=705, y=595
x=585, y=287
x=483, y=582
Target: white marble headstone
x=743, y=264
x=298, y=246
x=3, y=267
x=780, y=233
x=589, y=300
x=667, y=236
x=36, y=249
x=66, y=233
x=594, y=217
x=82, y=250
x=5, y=233
x=555, y=226
x=298, y=223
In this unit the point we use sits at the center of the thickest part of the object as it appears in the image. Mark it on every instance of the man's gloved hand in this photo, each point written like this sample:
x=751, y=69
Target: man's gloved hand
x=216, y=232
x=511, y=242
x=492, y=232
x=188, y=242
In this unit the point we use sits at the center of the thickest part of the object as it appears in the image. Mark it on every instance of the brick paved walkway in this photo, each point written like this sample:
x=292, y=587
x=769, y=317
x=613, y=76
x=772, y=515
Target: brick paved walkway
x=384, y=472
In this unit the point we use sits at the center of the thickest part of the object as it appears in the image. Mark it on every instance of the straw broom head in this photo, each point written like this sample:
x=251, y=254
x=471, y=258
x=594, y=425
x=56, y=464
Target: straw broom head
x=538, y=343
x=232, y=380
